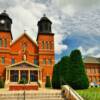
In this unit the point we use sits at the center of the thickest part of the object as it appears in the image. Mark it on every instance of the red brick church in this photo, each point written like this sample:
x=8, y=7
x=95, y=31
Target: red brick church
x=24, y=58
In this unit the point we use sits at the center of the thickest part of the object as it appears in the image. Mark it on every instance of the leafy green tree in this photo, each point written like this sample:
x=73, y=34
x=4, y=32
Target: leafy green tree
x=65, y=70
x=48, y=82
x=70, y=70
x=56, y=77
x=77, y=69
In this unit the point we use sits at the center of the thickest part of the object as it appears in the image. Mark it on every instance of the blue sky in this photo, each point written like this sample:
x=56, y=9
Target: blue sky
x=76, y=23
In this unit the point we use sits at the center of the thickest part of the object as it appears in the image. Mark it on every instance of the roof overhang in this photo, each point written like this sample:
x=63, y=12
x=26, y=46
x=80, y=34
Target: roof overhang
x=23, y=63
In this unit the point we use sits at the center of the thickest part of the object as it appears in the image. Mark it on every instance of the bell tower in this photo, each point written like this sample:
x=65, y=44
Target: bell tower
x=5, y=30
x=5, y=40
x=45, y=40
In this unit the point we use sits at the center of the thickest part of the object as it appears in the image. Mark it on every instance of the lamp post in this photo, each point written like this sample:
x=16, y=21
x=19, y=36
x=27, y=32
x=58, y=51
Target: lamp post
x=24, y=89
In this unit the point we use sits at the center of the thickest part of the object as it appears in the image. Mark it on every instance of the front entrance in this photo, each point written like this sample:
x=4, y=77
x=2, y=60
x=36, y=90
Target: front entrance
x=22, y=70
x=14, y=76
x=24, y=75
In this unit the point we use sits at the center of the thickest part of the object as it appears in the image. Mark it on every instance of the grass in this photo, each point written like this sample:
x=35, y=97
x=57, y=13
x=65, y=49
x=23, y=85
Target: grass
x=90, y=93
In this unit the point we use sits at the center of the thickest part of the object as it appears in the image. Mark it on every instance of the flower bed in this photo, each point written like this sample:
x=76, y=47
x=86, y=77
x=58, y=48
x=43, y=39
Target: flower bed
x=15, y=87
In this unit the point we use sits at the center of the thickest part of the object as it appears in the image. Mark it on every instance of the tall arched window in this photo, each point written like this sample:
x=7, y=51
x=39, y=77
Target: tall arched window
x=0, y=42
x=51, y=45
x=3, y=60
x=42, y=44
x=44, y=61
x=5, y=42
x=47, y=45
x=35, y=61
x=12, y=61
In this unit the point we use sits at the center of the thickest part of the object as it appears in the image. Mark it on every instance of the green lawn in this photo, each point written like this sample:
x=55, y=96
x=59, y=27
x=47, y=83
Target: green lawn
x=90, y=94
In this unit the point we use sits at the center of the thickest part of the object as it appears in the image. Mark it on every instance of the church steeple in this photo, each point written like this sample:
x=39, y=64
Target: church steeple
x=44, y=25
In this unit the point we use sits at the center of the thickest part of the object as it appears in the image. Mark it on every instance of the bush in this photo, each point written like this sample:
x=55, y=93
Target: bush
x=1, y=83
x=23, y=81
x=48, y=82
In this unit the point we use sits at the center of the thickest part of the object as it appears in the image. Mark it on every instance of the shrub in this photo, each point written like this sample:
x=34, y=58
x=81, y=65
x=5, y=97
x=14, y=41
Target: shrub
x=1, y=83
x=23, y=81
x=48, y=82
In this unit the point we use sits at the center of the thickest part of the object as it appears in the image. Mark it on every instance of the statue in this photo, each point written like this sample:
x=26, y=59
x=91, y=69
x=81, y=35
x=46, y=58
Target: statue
x=24, y=57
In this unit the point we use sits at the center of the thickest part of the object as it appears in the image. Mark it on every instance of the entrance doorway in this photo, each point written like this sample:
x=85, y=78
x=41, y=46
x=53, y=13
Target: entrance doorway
x=24, y=75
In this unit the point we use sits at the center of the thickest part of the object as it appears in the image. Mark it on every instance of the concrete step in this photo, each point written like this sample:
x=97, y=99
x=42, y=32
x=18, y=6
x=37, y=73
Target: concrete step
x=45, y=95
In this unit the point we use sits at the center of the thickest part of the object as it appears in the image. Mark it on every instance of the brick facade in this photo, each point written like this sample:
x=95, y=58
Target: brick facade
x=93, y=72
x=92, y=66
x=25, y=47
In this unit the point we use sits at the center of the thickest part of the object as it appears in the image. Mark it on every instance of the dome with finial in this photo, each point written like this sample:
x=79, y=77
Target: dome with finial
x=44, y=25
x=5, y=15
x=44, y=18
x=5, y=22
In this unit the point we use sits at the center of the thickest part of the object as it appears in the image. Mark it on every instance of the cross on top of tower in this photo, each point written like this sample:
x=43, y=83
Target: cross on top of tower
x=24, y=31
x=44, y=15
x=4, y=11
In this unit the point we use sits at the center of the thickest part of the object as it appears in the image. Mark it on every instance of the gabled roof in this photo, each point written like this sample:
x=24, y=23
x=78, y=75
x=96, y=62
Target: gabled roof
x=91, y=60
x=23, y=62
x=24, y=34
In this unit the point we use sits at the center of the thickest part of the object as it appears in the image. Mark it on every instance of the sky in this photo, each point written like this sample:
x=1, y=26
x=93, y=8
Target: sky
x=76, y=23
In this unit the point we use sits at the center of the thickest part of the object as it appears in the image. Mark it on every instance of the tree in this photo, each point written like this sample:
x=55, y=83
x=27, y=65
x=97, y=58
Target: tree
x=48, y=82
x=78, y=74
x=70, y=70
x=56, y=77
x=65, y=70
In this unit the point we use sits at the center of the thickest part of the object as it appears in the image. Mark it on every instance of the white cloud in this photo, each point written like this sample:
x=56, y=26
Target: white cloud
x=88, y=52
x=77, y=3
x=26, y=17
x=68, y=16
x=59, y=46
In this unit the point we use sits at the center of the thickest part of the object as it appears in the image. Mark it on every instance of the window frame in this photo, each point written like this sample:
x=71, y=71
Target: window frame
x=13, y=59
x=5, y=43
x=3, y=60
x=44, y=61
x=0, y=42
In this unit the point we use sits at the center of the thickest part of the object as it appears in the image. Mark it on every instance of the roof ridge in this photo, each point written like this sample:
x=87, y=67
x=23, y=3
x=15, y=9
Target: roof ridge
x=21, y=36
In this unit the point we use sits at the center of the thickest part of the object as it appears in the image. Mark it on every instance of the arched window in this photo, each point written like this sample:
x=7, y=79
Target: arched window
x=44, y=61
x=12, y=61
x=5, y=42
x=42, y=44
x=47, y=45
x=49, y=61
x=35, y=61
x=51, y=46
x=3, y=60
x=0, y=42
x=32, y=76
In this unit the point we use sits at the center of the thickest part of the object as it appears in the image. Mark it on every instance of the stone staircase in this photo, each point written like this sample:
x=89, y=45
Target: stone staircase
x=32, y=95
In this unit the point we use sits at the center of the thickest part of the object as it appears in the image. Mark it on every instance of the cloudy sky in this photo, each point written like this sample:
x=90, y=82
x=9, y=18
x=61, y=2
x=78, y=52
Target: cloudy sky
x=76, y=23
